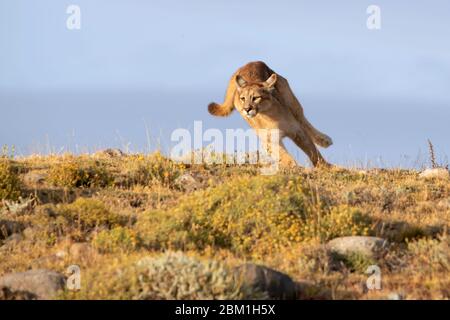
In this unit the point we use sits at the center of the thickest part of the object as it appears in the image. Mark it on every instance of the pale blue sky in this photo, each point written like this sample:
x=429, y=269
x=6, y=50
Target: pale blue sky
x=156, y=64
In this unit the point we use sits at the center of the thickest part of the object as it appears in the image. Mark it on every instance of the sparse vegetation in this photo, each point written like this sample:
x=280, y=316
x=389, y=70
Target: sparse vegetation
x=433, y=160
x=88, y=214
x=131, y=209
x=250, y=216
x=9, y=181
x=118, y=239
x=151, y=170
x=77, y=220
x=72, y=172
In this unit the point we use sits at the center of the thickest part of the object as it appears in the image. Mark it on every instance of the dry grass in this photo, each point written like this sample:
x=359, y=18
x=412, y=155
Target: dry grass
x=127, y=208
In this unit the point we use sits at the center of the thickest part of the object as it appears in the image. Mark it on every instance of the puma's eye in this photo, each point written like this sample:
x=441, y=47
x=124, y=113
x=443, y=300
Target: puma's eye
x=242, y=99
x=256, y=99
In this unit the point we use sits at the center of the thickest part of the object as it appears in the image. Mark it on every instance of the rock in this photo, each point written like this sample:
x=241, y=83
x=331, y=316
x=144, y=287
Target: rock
x=34, y=178
x=42, y=284
x=14, y=239
x=7, y=294
x=79, y=252
x=444, y=203
x=61, y=254
x=368, y=246
x=28, y=233
x=438, y=173
x=308, y=290
x=276, y=284
x=187, y=182
x=109, y=153
x=8, y=228
x=395, y=296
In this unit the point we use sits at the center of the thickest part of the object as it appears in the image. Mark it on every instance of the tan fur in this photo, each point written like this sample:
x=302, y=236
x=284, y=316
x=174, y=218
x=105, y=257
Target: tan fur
x=266, y=101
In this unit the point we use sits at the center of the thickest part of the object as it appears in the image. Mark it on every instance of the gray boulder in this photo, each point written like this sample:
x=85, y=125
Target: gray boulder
x=367, y=246
x=7, y=294
x=277, y=285
x=41, y=284
x=8, y=228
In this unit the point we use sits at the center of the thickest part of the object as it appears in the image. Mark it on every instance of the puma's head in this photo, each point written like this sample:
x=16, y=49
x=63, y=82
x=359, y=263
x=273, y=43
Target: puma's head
x=254, y=98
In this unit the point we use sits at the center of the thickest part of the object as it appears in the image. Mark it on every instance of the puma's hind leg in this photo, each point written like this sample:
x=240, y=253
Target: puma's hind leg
x=306, y=143
x=288, y=98
x=319, y=138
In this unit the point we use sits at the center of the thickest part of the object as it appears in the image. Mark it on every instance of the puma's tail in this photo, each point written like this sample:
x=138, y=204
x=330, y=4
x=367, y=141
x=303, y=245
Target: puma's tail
x=224, y=109
x=218, y=110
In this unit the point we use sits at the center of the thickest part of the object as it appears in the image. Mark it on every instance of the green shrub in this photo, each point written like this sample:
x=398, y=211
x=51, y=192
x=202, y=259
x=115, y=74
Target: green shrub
x=354, y=261
x=430, y=254
x=118, y=239
x=151, y=170
x=74, y=172
x=88, y=214
x=76, y=220
x=9, y=181
x=340, y=221
x=257, y=215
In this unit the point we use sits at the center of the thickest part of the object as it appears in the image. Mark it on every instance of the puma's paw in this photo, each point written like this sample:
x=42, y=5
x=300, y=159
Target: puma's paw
x=324, y=141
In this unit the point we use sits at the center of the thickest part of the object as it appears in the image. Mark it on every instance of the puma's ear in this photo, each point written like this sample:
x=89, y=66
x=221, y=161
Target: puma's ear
x=240, y=82
x=270, y=83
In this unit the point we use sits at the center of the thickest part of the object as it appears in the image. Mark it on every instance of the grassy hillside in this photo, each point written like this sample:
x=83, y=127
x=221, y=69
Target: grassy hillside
x=112, y=213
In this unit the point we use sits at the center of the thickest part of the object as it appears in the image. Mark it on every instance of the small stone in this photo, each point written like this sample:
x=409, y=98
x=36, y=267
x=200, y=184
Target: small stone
x=8, y=228
x=187, y=182
x=28, y=233
x=7, y=294
x=109, y=153
x=395, y=296
x=42, y=284
x=14, y=239
x=438, y=173
x=276, y=284
x=81, y=251
x=367, y=246
x=444, y=203
x=34, y=178
x=61, y=254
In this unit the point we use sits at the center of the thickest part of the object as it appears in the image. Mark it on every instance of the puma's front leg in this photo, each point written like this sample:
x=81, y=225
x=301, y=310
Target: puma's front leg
x=275, y=148
x=286, y=160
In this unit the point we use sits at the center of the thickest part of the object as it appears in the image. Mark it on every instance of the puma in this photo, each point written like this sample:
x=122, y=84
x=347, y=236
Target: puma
x=265, y=101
